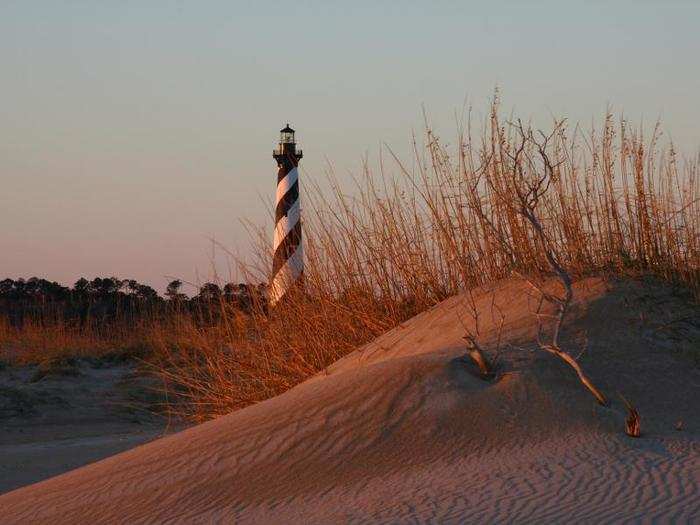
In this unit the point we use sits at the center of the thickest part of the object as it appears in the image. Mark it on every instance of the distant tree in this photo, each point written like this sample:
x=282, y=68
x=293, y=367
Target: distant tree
x=230, y=290
x=81, y=285
x=172, y=292
x=7, y=286
x=142, y=291
x=209, y=292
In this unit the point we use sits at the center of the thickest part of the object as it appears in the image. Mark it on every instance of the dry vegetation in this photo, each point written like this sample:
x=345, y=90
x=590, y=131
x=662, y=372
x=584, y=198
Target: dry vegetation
x=51, y=342
x=402, y=239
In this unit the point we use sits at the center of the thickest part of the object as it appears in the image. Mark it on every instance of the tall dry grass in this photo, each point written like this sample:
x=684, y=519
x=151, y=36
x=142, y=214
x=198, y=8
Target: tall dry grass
x=44, y=343
x=402, y=239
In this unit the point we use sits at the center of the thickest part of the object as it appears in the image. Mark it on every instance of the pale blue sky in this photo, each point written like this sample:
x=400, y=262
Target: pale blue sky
x=133, y=131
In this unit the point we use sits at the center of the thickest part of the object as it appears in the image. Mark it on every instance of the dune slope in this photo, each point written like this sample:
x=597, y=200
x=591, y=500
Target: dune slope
x=402, y=430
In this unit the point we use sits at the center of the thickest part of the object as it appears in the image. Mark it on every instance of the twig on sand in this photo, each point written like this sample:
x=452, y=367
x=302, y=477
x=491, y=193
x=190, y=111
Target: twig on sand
x=474, y=350
x=477, y=354
x=632, y=423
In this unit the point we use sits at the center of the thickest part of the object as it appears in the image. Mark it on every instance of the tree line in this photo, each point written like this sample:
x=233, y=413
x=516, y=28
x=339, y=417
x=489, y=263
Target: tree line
x=109, y=299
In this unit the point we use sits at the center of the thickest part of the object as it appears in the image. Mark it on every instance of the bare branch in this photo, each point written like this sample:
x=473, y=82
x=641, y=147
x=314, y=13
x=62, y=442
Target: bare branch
x=528, y=193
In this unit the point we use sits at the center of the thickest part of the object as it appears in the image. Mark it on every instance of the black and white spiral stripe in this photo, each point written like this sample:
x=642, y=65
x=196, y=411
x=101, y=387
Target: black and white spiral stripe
x=288, y=259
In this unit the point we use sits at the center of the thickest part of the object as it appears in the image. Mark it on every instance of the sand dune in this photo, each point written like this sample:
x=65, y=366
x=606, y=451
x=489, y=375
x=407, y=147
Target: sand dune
x=402, y=430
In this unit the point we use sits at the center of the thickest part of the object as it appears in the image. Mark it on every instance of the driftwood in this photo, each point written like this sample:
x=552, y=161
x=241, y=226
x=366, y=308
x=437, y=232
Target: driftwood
x=528, y=191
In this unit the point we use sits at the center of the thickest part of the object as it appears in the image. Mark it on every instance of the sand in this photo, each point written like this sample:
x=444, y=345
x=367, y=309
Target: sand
x=71, y=416
x=403, y=431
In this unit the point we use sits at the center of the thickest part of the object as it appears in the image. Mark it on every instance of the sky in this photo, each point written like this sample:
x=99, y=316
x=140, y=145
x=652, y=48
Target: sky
x=132, y=133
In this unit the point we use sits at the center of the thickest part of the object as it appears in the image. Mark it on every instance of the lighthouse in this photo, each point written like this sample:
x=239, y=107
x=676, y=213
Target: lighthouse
x=288, y=258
